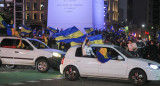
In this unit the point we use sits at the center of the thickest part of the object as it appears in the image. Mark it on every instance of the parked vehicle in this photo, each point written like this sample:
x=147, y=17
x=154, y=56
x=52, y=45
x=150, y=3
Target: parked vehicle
x=20, y=51
x=122, y=65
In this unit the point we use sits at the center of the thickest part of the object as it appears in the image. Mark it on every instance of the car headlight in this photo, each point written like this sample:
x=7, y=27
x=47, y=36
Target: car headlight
x=55, y=54
x=152, y=66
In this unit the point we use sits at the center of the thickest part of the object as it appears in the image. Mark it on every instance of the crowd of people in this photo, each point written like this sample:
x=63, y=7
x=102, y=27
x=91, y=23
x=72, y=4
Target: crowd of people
x=148, y=49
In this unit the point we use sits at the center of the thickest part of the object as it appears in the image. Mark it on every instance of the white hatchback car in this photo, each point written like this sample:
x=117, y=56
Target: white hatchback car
x=122, y=65
x=33, y=52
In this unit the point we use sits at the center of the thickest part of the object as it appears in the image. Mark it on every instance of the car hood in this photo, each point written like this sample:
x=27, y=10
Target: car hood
x=54, y=50
x=141, y=60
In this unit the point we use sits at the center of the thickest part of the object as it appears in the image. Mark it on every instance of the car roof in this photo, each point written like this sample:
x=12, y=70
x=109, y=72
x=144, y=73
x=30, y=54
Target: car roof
x=97, y=45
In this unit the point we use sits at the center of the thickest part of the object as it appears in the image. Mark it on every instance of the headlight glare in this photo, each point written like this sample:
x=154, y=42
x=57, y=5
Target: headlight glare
x=152, y=66
x=55, y=54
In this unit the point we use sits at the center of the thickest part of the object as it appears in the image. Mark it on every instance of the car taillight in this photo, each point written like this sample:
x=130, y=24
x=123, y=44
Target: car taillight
x=62, y=60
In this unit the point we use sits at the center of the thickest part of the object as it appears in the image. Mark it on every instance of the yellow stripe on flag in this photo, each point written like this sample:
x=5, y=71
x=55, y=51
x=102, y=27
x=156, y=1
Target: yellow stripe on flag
x=73, y=35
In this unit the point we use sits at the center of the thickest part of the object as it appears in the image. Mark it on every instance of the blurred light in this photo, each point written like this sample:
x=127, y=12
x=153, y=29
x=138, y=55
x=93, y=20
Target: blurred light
x=152, y=27
x=139, y=35
x=104, y=7
x=20, y=27
x=143, y=25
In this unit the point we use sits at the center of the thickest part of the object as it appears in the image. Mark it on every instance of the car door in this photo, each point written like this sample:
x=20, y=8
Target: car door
x=114, y=67
x=87, y=65
x=7, y=50
x=24, y=53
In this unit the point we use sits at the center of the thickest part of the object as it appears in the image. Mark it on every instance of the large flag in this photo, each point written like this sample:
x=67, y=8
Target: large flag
x=15, y=33
x=97, y=39
x=89, y=31
x=75, y=40
x=52, y=29
x=25, y=30
x=103, y=56
x=69, y=33
x=3, y=24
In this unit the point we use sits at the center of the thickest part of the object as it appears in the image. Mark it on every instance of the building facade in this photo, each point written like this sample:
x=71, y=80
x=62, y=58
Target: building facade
x=36, y=13
x=153, y=16
x=112, y=13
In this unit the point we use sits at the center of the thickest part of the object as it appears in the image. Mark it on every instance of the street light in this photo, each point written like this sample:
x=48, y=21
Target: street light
x=141, y=28
x=143, y=25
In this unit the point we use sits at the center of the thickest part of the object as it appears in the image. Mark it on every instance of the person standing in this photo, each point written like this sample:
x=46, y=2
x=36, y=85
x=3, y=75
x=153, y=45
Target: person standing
x=152, y=52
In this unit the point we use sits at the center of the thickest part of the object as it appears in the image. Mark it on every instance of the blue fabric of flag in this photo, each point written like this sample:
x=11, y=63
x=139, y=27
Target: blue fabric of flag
x=101, y=58
x=89, y=31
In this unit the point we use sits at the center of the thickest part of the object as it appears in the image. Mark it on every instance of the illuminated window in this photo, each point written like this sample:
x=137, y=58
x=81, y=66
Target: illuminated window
x=1, y=5
x=42, y=6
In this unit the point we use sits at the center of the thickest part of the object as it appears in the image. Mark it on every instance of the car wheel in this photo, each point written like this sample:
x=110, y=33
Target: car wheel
x=11, y=66
x=71, y=73
x=42, y=65
x=138, y=77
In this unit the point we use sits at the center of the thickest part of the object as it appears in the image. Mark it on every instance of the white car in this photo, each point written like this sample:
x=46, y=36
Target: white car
x=33, y=52
x=122, y=65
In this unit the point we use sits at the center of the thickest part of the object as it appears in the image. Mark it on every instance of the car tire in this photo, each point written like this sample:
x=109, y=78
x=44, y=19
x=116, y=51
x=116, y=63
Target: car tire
x=42, y=65
x=71, y=73
x=11, y=66
x=137, y=77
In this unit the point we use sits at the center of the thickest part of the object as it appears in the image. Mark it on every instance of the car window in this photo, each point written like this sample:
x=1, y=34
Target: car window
x=8, y=43
x=106, y=52
x=113, y=54
x=79, y=53
x=126, y=53
x=22, y=44
x=38, y=45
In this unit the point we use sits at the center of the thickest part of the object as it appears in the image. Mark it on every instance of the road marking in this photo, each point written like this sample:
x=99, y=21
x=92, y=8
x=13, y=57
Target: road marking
x=16, y=83
x=47, y=79
x=59, y=78
x=32, y=81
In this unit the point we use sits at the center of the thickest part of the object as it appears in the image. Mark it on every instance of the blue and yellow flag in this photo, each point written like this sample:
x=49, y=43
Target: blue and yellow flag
x=103, y=56
x=25, y=30
x=69, y=33
x=52, y=29
x=89, y=31
x=15, y=32
x=112, y=28
x=97, y=39
x=3, y=24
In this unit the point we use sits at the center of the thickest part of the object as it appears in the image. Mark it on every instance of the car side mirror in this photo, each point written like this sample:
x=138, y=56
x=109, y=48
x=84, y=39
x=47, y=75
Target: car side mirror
x=120, y=58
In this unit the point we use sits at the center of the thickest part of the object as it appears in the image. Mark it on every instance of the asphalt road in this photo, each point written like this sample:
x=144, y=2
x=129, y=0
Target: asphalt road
x=81, y=82
x=53, y=78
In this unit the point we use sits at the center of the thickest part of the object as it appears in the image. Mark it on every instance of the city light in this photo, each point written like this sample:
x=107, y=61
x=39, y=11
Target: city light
x=143, y=25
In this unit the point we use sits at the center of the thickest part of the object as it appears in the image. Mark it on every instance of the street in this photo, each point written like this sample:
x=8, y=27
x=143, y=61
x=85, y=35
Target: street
x=31, y=77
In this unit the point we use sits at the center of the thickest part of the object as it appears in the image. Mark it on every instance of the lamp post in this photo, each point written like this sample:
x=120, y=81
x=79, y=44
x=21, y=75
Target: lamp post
x=141, y=28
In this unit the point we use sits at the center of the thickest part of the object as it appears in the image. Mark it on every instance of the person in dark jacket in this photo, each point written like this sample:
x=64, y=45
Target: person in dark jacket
x=152, y=52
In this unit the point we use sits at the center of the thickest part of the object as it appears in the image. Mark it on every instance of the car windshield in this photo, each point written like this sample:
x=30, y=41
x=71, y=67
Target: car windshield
x=124, y=52
x=38, y=44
